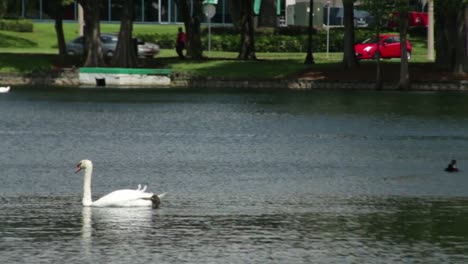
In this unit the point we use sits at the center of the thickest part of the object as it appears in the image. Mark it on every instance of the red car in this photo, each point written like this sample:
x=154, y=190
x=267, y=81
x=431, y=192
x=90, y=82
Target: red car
x=389, y=47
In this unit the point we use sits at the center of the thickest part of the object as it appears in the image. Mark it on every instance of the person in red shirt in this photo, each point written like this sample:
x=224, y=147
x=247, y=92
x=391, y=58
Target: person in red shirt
x=180, y=43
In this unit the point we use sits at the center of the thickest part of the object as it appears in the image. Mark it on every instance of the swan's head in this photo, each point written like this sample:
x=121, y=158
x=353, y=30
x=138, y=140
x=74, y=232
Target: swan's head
x=84, y=164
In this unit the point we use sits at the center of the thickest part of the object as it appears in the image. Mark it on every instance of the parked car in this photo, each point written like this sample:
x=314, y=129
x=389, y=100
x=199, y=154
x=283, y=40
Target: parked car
x=389, y=47
x=109, y=44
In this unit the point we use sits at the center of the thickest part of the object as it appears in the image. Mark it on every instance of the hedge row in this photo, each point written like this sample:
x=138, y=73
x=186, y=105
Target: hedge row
x=295, y=40
x=18, y=25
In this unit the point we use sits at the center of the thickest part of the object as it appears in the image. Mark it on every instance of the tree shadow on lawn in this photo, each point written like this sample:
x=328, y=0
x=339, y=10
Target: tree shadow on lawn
x=366, y=71
x=13, y=62
x=7, y=41
x=234, y=69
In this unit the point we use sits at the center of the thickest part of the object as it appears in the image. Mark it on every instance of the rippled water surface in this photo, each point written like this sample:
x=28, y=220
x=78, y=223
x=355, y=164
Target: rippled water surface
x=252, y=177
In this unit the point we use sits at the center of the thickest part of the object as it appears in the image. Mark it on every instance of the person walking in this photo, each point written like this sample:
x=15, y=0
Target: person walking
x=180, y=43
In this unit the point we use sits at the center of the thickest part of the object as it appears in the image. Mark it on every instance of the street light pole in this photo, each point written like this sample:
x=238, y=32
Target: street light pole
x=310, y=58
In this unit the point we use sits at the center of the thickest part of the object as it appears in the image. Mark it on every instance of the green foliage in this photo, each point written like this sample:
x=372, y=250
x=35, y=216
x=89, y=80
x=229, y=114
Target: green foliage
x=266, y=40
x=17, y=25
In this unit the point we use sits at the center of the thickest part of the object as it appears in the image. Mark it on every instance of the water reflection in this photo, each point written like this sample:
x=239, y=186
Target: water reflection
x=306, y=229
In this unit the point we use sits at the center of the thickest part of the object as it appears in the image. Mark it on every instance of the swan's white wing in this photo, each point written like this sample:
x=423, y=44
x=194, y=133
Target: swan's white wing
x=124, y=198
x=162, y=195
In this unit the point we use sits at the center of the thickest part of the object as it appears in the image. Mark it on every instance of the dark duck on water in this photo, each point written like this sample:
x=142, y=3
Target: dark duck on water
x=452, y=167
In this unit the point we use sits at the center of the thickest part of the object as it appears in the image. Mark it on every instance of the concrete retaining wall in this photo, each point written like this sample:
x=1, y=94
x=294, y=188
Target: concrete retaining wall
x=66, y=77
x=70, y=78
x=125, y=77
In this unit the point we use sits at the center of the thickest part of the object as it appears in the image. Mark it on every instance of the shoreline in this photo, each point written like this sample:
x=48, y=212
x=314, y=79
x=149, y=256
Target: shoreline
x=70, y=78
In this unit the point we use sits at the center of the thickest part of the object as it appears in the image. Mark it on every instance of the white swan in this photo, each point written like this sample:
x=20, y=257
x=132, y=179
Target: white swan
x=119, y=198
x=4, y=89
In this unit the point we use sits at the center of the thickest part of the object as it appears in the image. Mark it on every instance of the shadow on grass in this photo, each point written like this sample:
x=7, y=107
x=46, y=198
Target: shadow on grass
x=7, y=41
x=233, y=68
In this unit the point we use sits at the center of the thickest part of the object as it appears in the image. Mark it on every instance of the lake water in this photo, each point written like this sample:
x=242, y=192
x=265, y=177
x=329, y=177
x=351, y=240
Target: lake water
x=252, y=177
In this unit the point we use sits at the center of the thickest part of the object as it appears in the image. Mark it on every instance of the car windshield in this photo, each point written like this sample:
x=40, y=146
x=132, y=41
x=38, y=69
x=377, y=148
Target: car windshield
x=372, y=40
x=108, y=39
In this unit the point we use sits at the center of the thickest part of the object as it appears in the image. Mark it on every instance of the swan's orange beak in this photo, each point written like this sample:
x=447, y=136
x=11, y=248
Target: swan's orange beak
x=78, y=168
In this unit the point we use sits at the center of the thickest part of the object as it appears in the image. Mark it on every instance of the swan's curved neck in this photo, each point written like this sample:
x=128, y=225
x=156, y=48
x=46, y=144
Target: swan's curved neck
x=87, y=201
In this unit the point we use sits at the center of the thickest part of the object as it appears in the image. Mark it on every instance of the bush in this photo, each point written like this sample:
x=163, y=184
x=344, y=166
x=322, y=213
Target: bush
x=290, y=39
x=18, y=25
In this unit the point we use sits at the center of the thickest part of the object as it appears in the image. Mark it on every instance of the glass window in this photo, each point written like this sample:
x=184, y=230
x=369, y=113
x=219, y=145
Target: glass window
x=151, y=11
x=14, y=9
x=164, y=11
x=69, y=12
x=32, y=9
x=174, y=12
x=388, y=40
x=372, y=40
x=137, y=9
x=104, y=12
x=48, y=10
x=116, y=10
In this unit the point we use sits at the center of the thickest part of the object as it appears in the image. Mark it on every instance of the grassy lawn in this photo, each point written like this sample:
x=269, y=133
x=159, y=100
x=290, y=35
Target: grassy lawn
x=26, y=52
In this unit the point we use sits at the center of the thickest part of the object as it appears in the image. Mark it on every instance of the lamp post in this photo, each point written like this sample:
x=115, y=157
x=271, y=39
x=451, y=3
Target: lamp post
x=310, y=58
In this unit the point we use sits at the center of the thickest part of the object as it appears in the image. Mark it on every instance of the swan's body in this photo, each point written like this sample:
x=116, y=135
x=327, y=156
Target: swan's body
x=119, y=198
x=4, y=89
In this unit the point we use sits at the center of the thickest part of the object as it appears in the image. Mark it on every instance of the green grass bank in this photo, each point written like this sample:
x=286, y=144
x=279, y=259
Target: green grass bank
x=25, y=52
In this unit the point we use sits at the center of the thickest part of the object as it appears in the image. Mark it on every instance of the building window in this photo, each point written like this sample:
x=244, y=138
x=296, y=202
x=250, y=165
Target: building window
x=32, y=9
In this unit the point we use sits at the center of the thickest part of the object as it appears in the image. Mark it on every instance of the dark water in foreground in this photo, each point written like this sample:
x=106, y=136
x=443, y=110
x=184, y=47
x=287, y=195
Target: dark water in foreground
x=252, y=177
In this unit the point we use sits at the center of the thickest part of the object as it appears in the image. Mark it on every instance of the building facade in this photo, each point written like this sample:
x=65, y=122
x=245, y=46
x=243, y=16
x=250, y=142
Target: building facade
x=146, y=11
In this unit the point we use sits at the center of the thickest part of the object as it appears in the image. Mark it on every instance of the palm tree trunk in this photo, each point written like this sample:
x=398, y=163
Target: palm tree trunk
x=92, y=33
x=404, y=83
x=378, y=77
x=192, y=22
x=461, y=60
x=60, y=35
x=126, y=50
x=247, y=47
x=349, y=59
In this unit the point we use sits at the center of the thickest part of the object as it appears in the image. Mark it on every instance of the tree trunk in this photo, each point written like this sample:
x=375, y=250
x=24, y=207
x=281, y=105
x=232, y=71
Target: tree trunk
x=60, y=35
x=461, y=46
x=465, y=67
x=92, y=33
x=247, y=47
x=378, y=75
x=126, y=50
x=267, y=16
x=445, y=32
x=192, y=23
x=349, y=59
x=404, y=83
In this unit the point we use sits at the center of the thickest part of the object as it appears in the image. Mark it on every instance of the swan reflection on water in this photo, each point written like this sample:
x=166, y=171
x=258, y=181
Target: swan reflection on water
x=114, y=219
